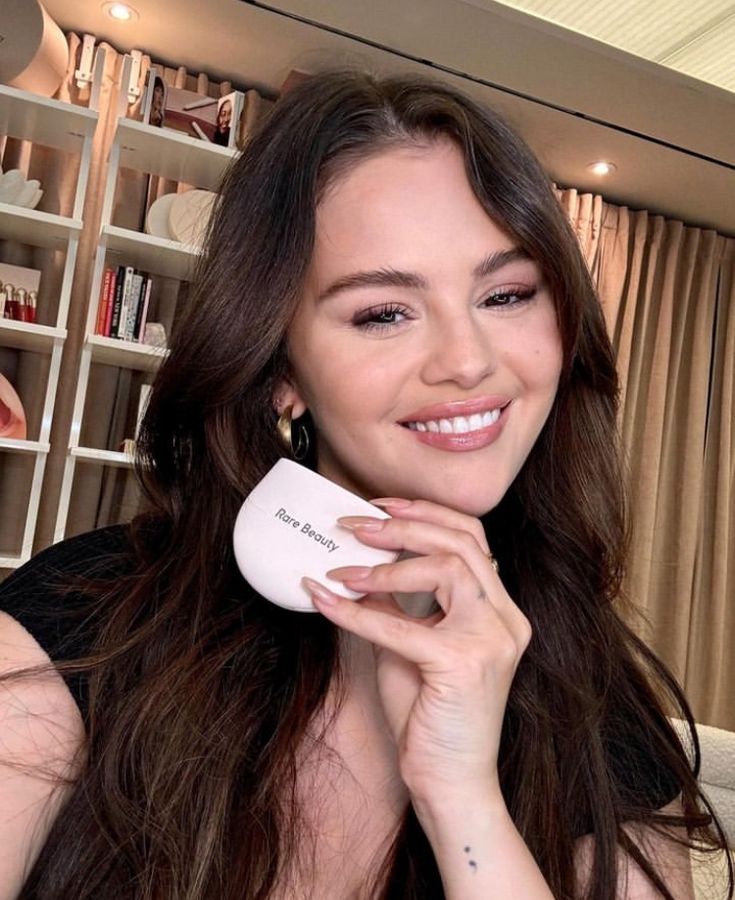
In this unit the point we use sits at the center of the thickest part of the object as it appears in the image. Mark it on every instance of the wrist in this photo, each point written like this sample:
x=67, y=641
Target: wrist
x=442, y=808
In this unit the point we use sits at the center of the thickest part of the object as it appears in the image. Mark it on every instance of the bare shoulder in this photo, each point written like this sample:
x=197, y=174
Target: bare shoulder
x=41, y=747
x=669, y=858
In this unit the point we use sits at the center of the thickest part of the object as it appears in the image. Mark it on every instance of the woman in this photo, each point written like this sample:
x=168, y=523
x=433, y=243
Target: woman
x=390, y=275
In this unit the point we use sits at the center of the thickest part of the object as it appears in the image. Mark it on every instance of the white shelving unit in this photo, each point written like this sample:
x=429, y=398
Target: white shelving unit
x=69, y=128
x=155, y=151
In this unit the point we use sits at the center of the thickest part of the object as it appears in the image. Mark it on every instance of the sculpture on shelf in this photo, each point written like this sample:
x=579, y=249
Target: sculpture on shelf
x=12, y=415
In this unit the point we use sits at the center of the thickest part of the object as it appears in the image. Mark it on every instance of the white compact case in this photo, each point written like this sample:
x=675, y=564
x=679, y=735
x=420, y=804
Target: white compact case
x=287, y=529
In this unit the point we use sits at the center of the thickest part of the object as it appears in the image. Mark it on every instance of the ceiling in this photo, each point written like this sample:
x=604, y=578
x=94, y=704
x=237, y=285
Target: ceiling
x=696, y=37
x=575, y=98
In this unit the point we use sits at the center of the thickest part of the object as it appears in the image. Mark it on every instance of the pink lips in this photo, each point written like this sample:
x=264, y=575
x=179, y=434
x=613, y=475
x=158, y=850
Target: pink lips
x=469, y=440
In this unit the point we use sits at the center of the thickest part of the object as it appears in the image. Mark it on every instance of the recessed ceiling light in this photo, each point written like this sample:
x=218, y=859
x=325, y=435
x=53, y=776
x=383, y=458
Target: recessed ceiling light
x=601, y=168
x=120, y=11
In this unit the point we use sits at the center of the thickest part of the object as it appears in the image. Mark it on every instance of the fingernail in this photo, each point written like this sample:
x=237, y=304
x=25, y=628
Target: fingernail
x=350, y=573
x=319, y=591
x=365, y=523
x=395, y=502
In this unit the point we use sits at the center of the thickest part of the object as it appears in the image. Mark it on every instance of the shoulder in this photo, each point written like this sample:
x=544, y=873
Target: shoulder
x=42, y=735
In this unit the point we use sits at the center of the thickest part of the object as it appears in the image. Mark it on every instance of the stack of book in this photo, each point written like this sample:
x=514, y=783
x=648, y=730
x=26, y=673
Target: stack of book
x=123, y=305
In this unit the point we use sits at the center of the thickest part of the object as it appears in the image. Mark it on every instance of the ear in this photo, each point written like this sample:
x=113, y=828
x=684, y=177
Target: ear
x=287, y=394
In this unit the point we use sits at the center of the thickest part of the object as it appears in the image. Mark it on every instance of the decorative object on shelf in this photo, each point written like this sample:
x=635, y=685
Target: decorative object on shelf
x=128, y=445
x=34, y=50
x=156, y=222
x=188, y=217
x=197, y=115
x=155, y=335
x=18, y=293
x=17, y=190
x=12, y=415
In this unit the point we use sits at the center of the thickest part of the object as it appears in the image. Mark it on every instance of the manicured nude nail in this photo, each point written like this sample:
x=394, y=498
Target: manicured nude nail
x=364, y=523
x=391, y=502
x=350, y=573
x=319, y=591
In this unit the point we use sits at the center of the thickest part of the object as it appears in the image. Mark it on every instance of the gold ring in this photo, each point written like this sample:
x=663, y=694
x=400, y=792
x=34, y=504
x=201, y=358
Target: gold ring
x=493, y=562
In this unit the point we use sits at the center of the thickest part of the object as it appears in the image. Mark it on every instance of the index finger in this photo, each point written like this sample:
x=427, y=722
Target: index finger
x=434, y=513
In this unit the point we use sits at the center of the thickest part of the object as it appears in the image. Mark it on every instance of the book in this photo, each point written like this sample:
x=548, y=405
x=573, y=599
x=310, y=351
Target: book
x=142, y=312
x=102, y=302
x=135, y=297
x=117, y=302
x=110, y=302
x=125, y=302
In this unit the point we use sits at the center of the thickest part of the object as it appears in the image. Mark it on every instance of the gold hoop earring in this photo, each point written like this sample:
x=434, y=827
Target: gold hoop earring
x=286, y=432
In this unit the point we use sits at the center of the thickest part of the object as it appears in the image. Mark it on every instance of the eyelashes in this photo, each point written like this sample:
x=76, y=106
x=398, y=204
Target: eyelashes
x=378, y=317
x=382, y=317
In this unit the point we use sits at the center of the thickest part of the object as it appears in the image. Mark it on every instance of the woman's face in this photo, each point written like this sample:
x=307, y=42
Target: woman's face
x=405, y=366
x=224, y=115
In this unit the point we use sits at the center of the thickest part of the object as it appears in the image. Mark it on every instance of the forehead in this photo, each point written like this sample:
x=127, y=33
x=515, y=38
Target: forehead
x=402, y=204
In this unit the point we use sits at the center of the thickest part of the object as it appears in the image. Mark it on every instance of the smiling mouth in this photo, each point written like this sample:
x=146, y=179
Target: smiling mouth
x=457, y=424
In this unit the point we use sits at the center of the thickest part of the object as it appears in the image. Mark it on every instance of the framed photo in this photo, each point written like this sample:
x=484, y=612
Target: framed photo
x=196, y=115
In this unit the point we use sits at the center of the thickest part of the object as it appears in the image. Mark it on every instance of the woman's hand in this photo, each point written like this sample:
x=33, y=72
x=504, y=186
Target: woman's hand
x=443, y=681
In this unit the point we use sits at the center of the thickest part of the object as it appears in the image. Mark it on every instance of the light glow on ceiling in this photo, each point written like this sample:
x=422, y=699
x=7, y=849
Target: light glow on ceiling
x=121, y=12
x=602, y=168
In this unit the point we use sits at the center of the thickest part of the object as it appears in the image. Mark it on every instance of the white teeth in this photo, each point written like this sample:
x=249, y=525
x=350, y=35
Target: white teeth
x=458, y=424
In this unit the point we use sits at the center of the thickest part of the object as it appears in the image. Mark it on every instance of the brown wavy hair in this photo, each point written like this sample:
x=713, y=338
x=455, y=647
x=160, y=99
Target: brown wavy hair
x=201, y=693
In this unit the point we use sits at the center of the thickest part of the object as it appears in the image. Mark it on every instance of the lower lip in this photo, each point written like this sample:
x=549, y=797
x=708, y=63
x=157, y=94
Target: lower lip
x=468, y=440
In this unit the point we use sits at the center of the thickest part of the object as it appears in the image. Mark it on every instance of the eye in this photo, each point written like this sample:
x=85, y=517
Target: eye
x=509, y=297
x=379, y=317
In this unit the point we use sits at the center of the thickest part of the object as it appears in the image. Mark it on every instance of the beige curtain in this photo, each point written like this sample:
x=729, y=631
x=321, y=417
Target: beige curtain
x=669, y=300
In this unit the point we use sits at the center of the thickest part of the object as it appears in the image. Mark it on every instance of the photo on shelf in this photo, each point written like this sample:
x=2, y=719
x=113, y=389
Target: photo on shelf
x=196, y=115
x=12, y=414
x=18, y=293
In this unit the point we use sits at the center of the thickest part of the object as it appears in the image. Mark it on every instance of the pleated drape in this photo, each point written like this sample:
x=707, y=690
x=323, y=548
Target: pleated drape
x=669, y=302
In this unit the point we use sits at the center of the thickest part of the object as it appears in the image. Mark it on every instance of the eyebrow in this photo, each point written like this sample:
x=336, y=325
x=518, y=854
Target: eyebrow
x=388, y=277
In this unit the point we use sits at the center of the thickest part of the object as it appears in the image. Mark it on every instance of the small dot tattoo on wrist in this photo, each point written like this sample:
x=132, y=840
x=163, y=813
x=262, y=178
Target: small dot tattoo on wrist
x=471, y=862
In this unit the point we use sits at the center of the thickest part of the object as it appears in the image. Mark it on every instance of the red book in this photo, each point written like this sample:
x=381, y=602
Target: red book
x=99, y=328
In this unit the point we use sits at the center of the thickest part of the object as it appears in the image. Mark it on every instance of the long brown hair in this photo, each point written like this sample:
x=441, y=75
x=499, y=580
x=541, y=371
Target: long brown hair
x=201, y=693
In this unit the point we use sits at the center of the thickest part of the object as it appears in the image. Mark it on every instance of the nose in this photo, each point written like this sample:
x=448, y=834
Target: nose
x=460, y=349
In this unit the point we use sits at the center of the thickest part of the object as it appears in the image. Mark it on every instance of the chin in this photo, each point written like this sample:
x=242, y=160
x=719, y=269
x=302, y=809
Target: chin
x=466, y=500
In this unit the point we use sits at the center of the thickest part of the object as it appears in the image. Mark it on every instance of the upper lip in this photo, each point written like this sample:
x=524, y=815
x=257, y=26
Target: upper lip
x=456, y=408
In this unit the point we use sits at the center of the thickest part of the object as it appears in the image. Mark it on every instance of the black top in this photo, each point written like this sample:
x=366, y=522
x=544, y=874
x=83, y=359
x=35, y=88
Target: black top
x=34, y=596
x=39, y=597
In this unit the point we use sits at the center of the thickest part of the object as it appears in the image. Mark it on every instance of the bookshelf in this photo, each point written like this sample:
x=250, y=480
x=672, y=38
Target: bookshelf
x=68, y=128
x=152, y=151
